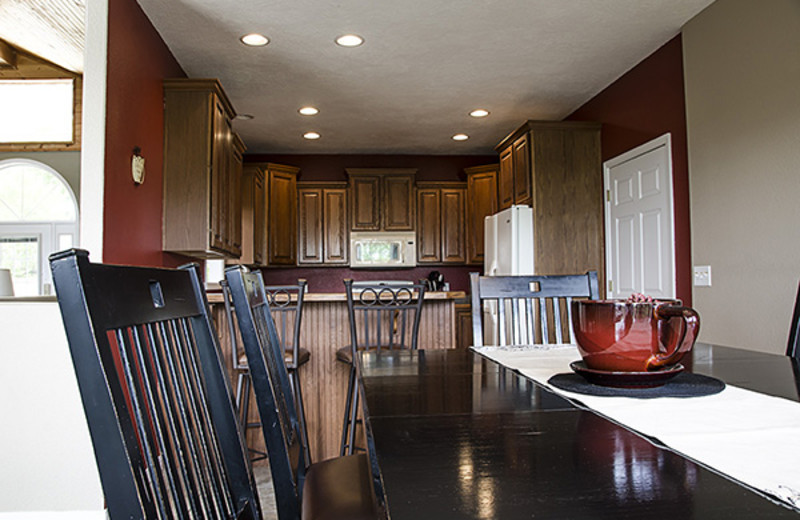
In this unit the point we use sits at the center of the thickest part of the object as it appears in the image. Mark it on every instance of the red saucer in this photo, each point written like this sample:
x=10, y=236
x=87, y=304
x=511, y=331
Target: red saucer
x=626, y=379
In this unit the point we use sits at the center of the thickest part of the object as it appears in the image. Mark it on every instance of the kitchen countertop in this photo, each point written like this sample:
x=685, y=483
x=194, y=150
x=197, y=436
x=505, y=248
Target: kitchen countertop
x=216, y=297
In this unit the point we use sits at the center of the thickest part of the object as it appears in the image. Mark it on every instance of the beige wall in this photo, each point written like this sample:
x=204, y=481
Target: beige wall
x=742, y=73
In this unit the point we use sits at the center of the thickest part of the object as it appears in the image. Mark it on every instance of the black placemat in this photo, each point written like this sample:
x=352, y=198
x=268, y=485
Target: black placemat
x=682, y=385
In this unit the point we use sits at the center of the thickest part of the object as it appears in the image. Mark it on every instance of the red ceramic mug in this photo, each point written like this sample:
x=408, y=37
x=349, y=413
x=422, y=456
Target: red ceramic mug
x=618, y=336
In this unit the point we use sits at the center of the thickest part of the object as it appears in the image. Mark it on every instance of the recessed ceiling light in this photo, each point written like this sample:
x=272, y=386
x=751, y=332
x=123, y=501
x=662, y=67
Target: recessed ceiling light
x=480, y=112
x=460, y=137
x=349, y=40
x=311, y=135
x=254, y=40
x=309, y=111
x=244, y=117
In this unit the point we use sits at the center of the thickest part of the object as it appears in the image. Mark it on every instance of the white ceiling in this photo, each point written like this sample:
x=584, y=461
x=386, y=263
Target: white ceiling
x=425, y=63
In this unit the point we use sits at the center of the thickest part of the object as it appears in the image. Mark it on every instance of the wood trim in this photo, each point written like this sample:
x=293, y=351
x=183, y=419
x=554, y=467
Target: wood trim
x=548, y=125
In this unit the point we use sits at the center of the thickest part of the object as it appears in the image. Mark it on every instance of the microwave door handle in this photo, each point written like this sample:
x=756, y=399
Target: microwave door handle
x=358, y=252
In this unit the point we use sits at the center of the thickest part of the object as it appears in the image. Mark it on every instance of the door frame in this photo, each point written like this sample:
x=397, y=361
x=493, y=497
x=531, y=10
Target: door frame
x=665, y=141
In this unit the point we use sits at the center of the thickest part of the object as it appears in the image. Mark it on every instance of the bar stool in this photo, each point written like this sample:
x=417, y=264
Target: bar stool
x=286, y=307
x=382, y=316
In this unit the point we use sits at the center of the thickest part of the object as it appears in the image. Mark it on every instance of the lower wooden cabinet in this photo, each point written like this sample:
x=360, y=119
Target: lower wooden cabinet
x=463, y=313
x=323, y=224
x=441, y=214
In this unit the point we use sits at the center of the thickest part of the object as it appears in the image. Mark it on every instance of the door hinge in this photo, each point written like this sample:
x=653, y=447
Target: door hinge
x=611, y=286
x=608, y=195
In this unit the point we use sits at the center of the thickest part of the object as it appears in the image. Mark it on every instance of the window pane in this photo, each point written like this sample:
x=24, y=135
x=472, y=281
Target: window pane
x=29, y=193
x=36, y=111
x=21, y=255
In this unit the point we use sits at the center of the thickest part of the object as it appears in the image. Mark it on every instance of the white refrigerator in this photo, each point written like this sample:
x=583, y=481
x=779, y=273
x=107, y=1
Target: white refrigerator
x=508, y=243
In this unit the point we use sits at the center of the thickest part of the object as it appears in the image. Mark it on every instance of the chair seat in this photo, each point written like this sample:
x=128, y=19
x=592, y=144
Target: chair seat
x=339, y=489
x=303, y=356
x=345, y=355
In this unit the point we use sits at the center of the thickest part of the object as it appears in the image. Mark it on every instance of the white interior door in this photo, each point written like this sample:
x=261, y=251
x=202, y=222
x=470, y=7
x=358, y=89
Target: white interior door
x=640, y=230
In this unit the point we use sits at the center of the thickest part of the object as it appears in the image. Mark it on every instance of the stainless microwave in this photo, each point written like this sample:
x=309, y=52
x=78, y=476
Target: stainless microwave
x=383, y=249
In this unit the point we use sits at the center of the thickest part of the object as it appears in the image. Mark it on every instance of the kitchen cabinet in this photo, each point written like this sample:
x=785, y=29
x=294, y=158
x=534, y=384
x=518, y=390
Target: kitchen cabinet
x=382, y=199
x=281, y=214
x=202, y=171
x=463, y=312
x=323, y=223
x=481, y=202
x=441, y=217
x=515, y=172
x=254, y=217
x=561, y=164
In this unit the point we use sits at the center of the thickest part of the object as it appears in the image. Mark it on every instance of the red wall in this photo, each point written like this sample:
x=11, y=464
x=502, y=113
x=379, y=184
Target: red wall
x=332, y=168
x=138, y=60
x=645, y=103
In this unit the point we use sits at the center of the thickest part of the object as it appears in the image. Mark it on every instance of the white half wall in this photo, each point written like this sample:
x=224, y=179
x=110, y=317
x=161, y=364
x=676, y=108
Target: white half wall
x=742, y=74
x=48, y=466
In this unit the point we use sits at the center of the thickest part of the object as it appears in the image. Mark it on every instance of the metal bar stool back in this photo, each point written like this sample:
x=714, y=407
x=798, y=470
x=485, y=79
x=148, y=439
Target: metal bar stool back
x=382, y=316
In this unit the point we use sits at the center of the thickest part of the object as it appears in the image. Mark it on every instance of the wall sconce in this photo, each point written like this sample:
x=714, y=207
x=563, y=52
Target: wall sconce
x=137, y=165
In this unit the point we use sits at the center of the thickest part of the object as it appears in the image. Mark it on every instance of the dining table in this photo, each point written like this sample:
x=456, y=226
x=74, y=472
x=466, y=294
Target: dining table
x=454, y=434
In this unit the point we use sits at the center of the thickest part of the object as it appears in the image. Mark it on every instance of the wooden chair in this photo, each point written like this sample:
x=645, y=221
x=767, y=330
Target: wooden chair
x=529, y=309
x=793, y=348
x=382, y=317
x=156, y=395
x=286, y=305
x=339, y=488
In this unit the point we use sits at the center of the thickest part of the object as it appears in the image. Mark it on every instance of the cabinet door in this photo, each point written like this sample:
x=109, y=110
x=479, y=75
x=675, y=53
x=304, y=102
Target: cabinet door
x=481, y=202
x=505, y=182
x=310, y=204
x=282, y=218
x=220, y=148
x=522, y=171
x=453, y=212
x=365, y=204
x=429, y=230
x=398, y=205
x=234, y=189
x=259, y=219
x=463, y=325
x=335, y=225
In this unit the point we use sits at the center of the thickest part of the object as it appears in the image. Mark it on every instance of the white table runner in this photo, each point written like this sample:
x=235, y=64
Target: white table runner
x=751, y=437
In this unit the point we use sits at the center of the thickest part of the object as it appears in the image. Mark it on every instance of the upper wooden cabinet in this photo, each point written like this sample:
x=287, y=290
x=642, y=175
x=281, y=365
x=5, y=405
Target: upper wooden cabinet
x=281, y=214
x=515, y=172
x=564, y=175
x=254, y=216
x=202, y=170
x=441, y=212
x=323, y=223
x=481, y=202
x=382, y=199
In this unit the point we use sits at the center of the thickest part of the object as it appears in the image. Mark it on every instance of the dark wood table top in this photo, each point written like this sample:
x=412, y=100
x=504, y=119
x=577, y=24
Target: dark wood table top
x=454, y=435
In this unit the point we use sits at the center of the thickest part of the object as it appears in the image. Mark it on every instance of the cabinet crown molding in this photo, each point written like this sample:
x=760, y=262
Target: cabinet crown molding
x=381, y=171
x=545, y=125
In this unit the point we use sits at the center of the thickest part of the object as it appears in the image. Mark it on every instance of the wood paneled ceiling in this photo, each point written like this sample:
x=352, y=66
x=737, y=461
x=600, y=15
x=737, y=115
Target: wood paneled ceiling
x=50, y=29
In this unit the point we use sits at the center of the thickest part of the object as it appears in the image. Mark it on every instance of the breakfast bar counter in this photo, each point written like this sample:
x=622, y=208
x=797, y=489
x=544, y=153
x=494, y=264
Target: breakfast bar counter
x=325, y=329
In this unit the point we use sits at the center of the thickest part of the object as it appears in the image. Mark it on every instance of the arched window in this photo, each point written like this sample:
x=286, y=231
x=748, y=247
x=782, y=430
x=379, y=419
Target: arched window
x=38, y=216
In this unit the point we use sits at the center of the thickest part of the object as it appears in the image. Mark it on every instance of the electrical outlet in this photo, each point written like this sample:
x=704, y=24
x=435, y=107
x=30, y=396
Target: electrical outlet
x=702, y=276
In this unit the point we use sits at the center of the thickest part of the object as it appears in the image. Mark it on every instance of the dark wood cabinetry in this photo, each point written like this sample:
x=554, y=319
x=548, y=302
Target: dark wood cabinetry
x=441, y=217
x=515, y=172
x=463, y=313
x=382, y=199
x=481, y=202
x=202, y=171
x=254, y=217
x=562, y=167
x=282, y=214
x=323, y=224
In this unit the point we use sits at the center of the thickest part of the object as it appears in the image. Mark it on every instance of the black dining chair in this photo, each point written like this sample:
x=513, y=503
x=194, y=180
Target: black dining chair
x=529, y=309
x=286, y=305
x=339, y=488
x=382, y=316
x=793, y=347
x=156, y=395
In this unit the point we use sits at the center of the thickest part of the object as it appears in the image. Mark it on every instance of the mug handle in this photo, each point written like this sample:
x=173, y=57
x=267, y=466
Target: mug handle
x=691, y=322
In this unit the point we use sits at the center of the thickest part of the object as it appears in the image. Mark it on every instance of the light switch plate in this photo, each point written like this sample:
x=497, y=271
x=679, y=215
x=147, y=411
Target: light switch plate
x=702, y=276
